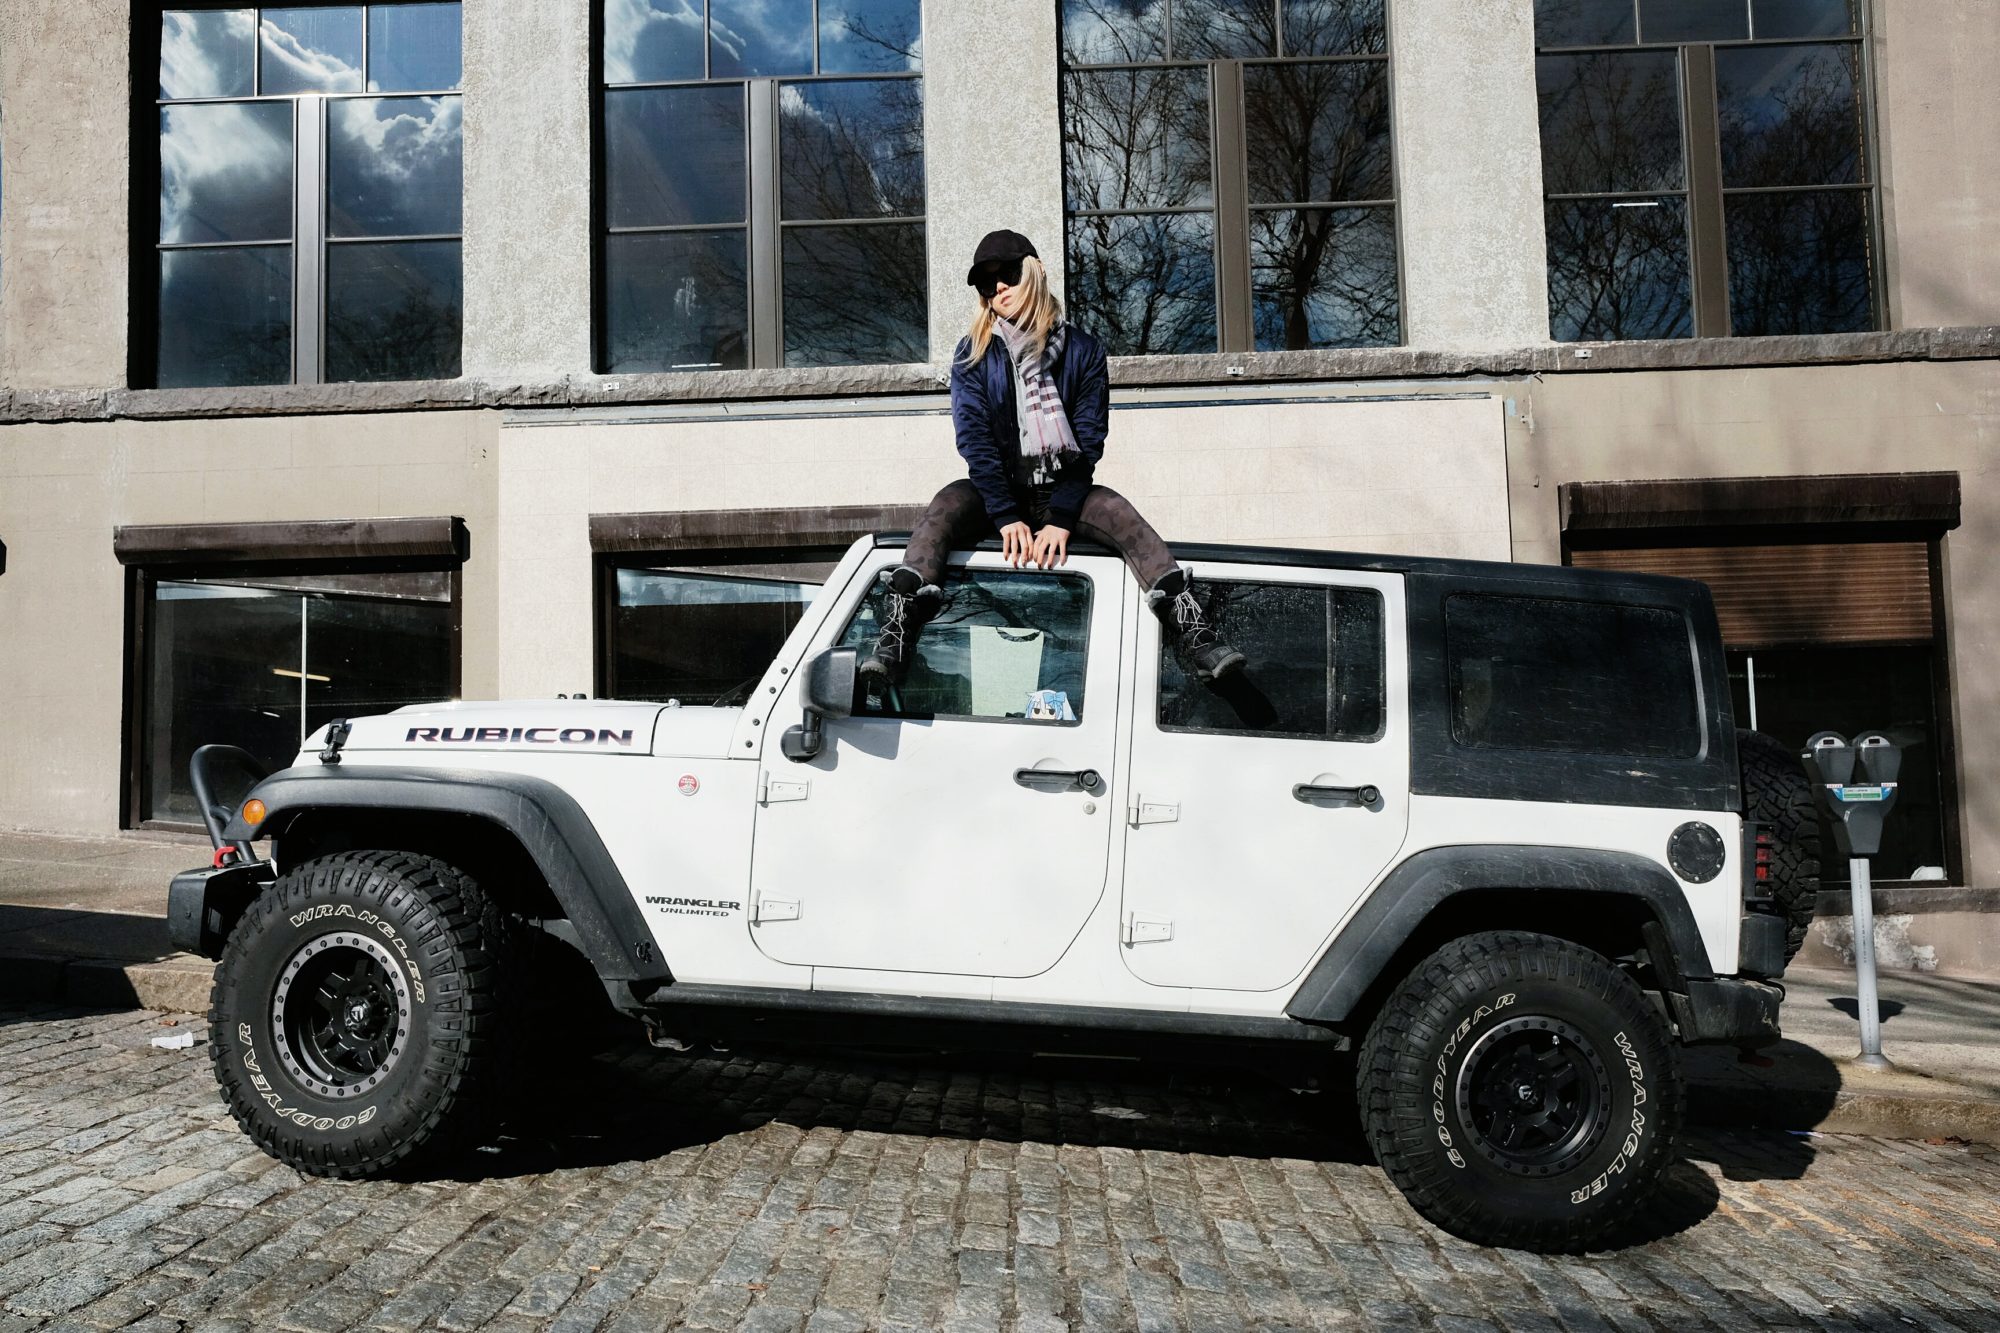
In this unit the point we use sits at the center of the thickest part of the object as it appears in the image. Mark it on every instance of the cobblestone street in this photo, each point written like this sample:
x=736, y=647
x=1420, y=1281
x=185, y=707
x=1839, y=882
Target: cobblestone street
x=840, y=1193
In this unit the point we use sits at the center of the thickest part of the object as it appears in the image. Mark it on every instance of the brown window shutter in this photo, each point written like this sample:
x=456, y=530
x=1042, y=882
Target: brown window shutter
x=1780, y=596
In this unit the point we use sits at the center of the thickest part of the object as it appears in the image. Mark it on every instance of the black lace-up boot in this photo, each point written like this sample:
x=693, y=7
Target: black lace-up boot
x=1173, y=601
x=907, y=603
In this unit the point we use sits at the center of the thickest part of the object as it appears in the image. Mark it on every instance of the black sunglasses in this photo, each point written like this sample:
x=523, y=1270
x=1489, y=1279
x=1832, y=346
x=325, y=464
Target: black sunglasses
x=987, y=281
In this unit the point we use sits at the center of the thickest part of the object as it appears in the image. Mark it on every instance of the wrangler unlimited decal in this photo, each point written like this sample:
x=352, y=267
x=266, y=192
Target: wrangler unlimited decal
x=521, y=735
x=692, y=906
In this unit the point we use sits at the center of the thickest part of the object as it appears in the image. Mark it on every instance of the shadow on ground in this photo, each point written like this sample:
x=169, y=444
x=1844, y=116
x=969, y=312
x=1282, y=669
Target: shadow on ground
x=624, y=1106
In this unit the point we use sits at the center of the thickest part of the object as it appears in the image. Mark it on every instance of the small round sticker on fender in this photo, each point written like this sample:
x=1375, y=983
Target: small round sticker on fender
x=689, y=784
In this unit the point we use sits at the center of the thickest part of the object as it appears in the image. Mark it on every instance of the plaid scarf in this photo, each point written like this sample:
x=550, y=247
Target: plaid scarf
x=1046, y=439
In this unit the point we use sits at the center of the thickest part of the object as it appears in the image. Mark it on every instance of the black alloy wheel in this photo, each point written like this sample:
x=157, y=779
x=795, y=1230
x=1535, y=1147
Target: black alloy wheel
x=341, y=1014
x=1535, y=1095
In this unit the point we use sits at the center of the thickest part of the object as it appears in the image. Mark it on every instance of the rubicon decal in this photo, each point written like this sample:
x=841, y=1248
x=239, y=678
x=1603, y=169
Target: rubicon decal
x=519, y=736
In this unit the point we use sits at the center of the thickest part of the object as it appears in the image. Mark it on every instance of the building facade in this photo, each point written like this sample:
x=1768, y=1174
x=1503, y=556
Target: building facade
x=358, y=354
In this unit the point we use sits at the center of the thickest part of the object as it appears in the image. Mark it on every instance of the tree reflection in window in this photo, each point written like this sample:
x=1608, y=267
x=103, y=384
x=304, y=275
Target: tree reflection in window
x=1291, y=169
x=1794, y=249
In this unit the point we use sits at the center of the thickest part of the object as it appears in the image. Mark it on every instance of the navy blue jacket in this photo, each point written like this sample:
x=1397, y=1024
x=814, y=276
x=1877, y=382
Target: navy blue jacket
x=989, y=434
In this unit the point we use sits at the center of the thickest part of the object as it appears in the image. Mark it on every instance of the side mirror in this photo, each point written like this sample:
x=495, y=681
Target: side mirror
x=830, y=682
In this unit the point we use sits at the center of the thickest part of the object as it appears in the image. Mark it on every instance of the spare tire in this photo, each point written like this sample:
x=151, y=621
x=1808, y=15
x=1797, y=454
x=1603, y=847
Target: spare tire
x=1779, y=800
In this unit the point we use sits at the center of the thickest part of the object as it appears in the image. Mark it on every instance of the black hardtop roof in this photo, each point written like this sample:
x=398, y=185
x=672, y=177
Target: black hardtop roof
x=1567, y=578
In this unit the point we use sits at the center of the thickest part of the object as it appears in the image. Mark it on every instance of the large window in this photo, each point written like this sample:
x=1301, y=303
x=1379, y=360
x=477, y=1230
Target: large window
x=763, y=184
x=264, y=661
x=1227, y=175
x=1707, y=167
x=702, y=634
x=309, y=195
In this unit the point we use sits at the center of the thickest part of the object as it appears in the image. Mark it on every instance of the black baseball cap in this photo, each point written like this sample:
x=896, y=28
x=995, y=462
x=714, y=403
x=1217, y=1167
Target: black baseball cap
x=999, y=247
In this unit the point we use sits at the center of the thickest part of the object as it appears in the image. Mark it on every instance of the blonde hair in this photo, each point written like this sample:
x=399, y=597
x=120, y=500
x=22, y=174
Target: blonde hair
x=1040, y=314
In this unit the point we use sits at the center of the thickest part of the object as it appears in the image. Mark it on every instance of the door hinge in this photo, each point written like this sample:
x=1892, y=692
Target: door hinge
x=773, y=909
x=1146, y=929
x=1151, y=812
x=770, y=792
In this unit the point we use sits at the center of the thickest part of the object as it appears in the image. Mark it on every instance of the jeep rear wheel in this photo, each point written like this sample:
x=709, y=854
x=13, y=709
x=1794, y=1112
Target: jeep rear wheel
x=354, y=1010
x=1521, y=1091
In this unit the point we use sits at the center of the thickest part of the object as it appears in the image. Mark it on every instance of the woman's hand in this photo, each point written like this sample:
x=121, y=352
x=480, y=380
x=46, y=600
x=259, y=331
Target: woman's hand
x=1017, y=542
x=1051, y=547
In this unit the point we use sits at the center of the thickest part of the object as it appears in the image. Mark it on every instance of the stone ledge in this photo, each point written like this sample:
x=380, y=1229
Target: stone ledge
x=1917, y=899
x=832, y=382
x=175, y=985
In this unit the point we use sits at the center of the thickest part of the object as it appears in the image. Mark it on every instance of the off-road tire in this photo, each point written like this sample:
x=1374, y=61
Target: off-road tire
x=1777, y=795
x=432, y=1094
x=1467, y=1014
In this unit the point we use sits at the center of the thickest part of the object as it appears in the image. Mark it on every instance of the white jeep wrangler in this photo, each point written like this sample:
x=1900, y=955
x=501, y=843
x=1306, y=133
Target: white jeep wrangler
x=1491, y=824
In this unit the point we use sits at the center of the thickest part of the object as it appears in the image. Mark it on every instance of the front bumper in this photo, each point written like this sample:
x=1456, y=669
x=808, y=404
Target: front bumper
x=204, y=905
x=1736, y=1010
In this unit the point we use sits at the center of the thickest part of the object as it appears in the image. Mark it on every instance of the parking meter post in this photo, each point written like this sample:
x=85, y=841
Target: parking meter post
x=1863, y=895
x=1855, y=787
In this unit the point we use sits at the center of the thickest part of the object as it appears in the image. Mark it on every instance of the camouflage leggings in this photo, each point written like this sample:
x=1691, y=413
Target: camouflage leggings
x=957, y=517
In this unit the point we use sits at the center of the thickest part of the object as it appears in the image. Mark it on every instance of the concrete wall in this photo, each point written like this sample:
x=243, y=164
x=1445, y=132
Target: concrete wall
x=992, y=144
x=1939, y=121
x=63, y=488
x=1421, y=473
x=1907, y=417
x=527, y=189
x=1469, y=174
x=65, y=96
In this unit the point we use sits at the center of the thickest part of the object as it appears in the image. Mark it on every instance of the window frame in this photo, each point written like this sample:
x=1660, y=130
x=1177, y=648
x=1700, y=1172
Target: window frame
x=181, y=552
x=1703, y=191
x=1381, y=608
x=310, y=236
x=1229, y=206
x=764, y=225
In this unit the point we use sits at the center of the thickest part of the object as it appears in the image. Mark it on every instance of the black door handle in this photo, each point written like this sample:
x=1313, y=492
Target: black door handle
x=1363, y=796
x=1083, y=779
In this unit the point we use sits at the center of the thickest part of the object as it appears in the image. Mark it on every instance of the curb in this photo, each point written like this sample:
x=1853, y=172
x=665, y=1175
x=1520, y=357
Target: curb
x=174, y=986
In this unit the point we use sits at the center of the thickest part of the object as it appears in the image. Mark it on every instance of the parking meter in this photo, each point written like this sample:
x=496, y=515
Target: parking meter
x=1855, y=785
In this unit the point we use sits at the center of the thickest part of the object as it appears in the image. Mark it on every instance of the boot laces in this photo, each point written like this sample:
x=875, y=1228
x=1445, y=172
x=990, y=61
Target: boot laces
x=893, y=639
x=1191, y=623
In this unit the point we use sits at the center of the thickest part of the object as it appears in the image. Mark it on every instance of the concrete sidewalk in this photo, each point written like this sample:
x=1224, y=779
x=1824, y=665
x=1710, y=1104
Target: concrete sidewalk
x=84, y=921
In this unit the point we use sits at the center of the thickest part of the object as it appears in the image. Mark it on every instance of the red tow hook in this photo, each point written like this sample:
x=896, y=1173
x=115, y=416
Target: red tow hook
x=223, y=856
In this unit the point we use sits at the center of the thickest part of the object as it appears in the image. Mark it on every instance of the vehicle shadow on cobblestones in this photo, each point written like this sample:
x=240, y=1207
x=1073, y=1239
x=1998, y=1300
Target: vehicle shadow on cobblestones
x=627, y=1105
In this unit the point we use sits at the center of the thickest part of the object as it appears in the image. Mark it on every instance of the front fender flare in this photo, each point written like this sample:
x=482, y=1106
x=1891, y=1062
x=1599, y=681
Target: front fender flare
x=545, y=819
x=1408, y=894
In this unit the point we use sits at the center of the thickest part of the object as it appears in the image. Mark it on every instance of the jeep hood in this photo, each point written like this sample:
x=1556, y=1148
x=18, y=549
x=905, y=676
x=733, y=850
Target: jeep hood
x=539, y=726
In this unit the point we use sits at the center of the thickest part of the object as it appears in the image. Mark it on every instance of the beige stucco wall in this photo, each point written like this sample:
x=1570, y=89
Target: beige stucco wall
x=1938, y=112
x=1905, y=417
x=63, y=488
x=1468, y=153
x=64, y=93
x=1422, y=473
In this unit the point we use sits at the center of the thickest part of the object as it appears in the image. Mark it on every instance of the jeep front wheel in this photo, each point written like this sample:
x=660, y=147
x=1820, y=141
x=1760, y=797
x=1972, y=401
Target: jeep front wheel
x=1521, y=1091
x=352, y=1019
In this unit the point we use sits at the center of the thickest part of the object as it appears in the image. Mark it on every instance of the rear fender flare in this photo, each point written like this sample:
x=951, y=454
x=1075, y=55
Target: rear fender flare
x=554, y=830
x=1408, y=895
